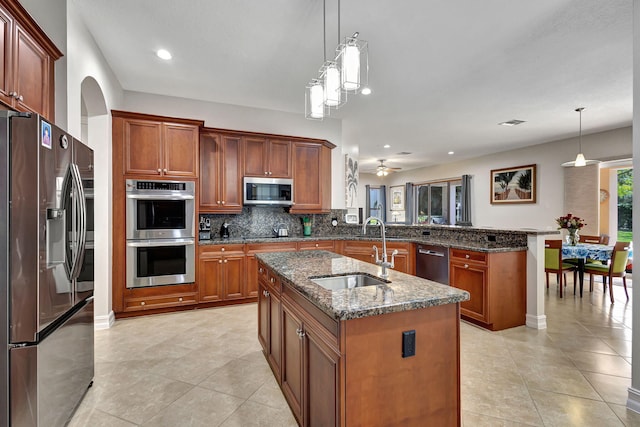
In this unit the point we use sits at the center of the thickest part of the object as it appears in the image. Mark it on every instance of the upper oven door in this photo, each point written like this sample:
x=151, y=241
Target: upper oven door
x=160, y=216
x=160, y=209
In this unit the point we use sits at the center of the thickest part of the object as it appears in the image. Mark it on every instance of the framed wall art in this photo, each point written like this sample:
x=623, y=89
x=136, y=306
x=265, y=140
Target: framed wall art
x=397, y=198
x=514, y=185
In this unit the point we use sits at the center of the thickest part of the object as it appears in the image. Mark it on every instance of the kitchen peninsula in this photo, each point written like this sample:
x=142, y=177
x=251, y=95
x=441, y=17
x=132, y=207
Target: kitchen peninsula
x=359, y=355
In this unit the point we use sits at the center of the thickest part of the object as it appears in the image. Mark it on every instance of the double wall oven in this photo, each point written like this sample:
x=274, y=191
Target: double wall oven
x=160, y=232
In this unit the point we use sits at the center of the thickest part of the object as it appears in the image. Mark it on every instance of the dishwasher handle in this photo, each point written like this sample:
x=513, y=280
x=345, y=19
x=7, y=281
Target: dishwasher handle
x=430, y=252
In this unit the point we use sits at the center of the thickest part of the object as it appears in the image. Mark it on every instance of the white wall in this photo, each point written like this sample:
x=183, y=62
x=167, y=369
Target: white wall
x=234, y=117
x=550, y=177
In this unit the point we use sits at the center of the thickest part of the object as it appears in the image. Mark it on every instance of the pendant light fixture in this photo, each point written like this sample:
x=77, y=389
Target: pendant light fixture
x=347, y=72
x=580, y=159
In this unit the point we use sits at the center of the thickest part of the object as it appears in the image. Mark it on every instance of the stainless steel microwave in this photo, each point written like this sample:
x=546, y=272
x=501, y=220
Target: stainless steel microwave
x=268, y=191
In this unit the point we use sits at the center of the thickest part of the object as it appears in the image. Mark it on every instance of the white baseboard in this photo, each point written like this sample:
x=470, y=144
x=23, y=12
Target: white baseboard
x=537, y=322
x=104, y=322
x=633, y=400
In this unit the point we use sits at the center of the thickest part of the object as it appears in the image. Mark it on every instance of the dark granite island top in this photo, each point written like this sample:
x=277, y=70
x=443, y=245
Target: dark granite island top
x=403, y=292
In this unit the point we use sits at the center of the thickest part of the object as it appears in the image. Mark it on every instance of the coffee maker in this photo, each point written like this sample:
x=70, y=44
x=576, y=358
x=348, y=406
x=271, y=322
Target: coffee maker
x=224, y=230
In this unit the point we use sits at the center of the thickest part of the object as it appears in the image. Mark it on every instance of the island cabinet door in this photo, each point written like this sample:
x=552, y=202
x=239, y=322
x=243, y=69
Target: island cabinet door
x=321, y=369
x=292, y=378
x=263, y=318
x=275, y=333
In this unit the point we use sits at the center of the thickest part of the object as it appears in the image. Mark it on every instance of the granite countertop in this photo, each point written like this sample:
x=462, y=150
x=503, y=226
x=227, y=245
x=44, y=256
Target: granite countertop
x=403, y=292
x=426, y=240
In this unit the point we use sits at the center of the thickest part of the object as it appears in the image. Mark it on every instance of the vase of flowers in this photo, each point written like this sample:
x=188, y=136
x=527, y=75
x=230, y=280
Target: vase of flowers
x=572, y=224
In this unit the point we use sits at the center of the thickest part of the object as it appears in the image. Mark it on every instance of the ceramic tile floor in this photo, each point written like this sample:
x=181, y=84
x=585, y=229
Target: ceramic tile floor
x=205, y=368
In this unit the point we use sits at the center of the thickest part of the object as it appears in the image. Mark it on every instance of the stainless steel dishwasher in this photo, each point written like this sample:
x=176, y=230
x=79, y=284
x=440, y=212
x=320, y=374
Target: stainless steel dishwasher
x=432, y=262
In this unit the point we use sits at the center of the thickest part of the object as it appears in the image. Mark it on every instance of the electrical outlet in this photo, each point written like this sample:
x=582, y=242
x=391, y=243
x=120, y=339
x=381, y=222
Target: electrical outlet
x=426, y=233
x=409, y=343
x=491, y=238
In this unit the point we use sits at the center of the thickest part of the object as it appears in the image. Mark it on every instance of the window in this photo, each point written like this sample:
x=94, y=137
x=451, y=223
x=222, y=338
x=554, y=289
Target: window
x=376, y=203
x=438, y=202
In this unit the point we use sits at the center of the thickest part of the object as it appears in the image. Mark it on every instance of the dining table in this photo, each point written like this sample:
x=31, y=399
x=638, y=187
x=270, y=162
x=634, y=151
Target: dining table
x=583, y=251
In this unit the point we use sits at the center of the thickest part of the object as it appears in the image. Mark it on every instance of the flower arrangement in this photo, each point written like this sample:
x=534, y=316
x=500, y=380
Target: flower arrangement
x=570, y=222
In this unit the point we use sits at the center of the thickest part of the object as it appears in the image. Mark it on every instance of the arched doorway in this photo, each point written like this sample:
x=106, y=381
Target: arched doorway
x=95, y=132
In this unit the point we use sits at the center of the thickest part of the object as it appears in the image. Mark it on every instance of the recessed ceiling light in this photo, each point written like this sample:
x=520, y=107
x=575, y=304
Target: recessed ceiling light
x=450, y=153
x=513, y=122
x=386, y=146
x=366, y=91
x=164, y=54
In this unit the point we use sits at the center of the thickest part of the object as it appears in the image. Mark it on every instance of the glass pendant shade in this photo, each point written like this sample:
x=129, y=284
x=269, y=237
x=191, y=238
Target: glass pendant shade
x=580, y=160
x=353, y=62
x=332, y=93
x=351, y=68
x=315, y=100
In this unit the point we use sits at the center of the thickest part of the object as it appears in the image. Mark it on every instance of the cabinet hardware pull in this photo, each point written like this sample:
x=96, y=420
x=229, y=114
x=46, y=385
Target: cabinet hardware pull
x=260, y=270
x=159, y=170
x=223, y=202
x=267, y=293
x=12, y=94
x=180, y=299
x=222, y=249
x=225, y=261
x=165, y=170
x=316, y=245
x=266, y=173
x=467, y=256
x=142, y=303
x=218, y=201
x=466, y=266
x=273, y=280
x=219, y=261
x=20, y=98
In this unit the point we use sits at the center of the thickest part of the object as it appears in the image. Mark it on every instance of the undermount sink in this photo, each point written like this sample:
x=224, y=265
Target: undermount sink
x=347, y=281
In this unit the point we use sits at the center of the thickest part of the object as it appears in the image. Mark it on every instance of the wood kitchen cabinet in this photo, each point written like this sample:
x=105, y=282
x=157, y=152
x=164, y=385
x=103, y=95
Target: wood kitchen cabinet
x=325, y=245
x=311, y=178
x=496, y=282
x=363, y=251
x=269, y=320
x=252, y=249
x=310, y=367
x=267, y=157
x=158, y=146
x=221, y=272
x=220, y=172
x=27, y=81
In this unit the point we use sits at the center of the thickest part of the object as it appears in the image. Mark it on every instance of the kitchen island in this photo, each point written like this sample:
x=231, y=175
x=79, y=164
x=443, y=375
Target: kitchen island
x=385, y=354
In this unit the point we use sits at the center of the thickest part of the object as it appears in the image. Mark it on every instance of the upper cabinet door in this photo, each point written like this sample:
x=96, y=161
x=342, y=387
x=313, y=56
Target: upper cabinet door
x=255, y=157
x=31, y=74
x=6, y=83
x=279, y=159
x=142, y=147
x=209, y=173
x=231, y=173
x=312, y=178
x=180, y=147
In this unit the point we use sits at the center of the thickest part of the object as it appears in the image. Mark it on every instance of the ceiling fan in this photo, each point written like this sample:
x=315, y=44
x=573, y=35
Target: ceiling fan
x=384, y=170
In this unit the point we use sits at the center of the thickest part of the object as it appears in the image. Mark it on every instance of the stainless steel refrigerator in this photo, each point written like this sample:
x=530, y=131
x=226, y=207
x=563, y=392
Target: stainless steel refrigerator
x=46, y=271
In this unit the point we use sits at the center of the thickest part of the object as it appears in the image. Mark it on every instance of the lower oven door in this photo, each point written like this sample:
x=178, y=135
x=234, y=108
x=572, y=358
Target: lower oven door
x=160, y=262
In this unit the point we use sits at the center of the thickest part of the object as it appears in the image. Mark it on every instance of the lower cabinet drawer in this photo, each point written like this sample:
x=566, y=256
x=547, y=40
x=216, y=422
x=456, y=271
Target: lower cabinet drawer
x=149, y=303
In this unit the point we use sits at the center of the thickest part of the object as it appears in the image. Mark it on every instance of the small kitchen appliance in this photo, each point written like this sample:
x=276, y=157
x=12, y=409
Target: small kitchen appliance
x=224, y=230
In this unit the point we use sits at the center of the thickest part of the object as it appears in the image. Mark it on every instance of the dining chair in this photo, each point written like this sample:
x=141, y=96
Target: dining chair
x=615, y=268
x=553, y=264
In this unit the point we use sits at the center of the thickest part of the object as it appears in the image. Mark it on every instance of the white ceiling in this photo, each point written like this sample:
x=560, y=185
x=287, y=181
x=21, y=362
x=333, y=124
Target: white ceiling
x=443, y=72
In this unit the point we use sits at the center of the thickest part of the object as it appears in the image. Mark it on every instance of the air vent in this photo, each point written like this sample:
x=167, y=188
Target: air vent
x=513, y=122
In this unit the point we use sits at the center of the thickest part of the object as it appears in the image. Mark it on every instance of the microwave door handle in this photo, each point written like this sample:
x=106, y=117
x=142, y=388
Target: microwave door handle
x=161, y=196
x=160, y=242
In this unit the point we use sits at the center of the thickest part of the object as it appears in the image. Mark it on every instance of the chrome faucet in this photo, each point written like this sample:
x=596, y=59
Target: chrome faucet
x=382, y=262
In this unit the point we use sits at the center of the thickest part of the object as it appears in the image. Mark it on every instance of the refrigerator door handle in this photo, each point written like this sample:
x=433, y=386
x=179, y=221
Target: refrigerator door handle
x=82, y=220
x=70, y=235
